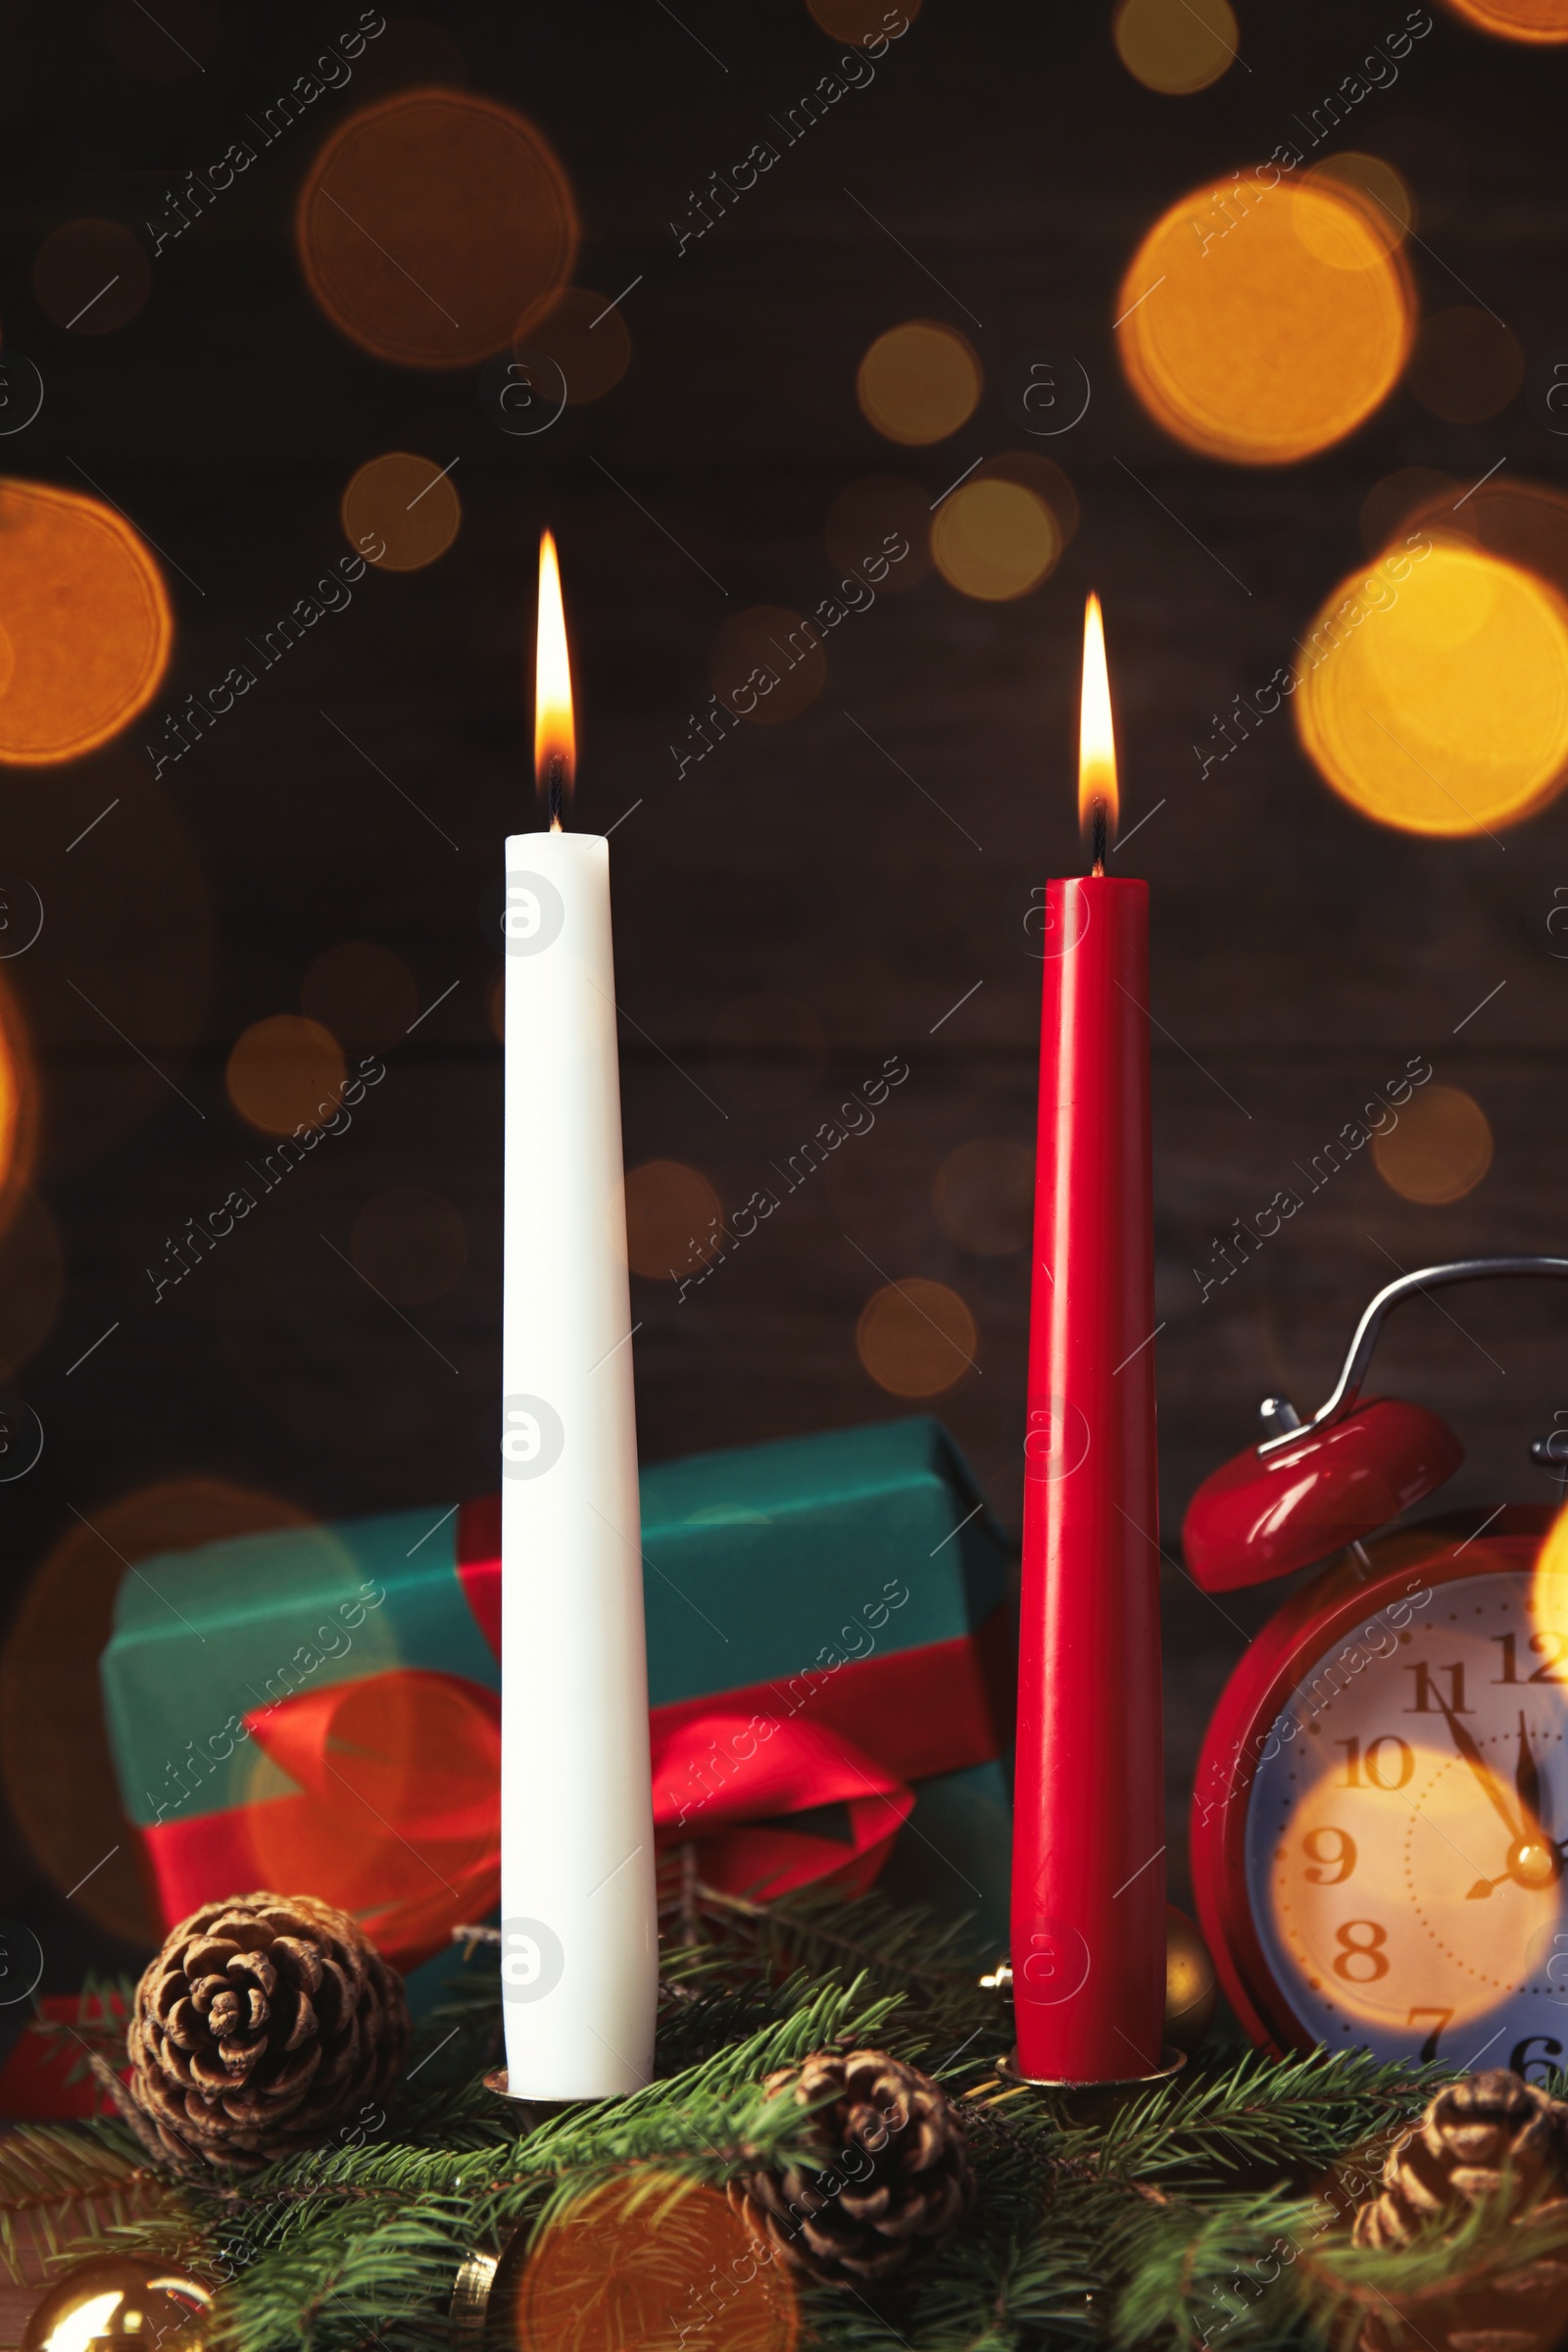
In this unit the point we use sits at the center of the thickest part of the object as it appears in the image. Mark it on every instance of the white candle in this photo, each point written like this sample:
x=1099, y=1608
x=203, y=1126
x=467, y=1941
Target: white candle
x=579, y=1922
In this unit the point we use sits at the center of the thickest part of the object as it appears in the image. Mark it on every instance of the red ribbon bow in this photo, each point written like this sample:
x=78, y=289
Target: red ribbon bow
x=395, y=1812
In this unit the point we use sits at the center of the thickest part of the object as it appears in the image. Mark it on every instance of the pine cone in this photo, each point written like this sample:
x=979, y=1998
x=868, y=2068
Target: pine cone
x=261, y=2022
x=894, y=2170
x=1475, y=2136
x=1471, y=2134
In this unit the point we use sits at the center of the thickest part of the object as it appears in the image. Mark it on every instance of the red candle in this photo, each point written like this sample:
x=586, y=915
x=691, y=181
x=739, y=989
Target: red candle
x=1088, y=1858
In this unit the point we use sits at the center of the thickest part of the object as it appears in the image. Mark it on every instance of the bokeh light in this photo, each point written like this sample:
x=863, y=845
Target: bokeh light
x=1539, y=22
x=411, y=1244
x=768, y=664
x=1519, y=522
x=364, y=994
x=91, y=277
x=285, y=1072
x=652, y=2265
x=434, y=225
x=983, y=1195
x=1435, y=1843
x=589, y=341
x=182, y=39
x=409, y=502
x=1261, y=323
x=994, y=540
x=31, y=1282
x=1045, y=477
x=18, y=1106
x=1372, y=184
x=87, y=619
x=1466, y=364
x=918, y=382
x=1440, y=1149
x=779, y=1047
x=860, y=20
x=54, y=1749
x=916, y=1337
x=673, y=1219
x=1176, y=46
x=1392, y=505
x=870, y=517
x=1439, y=702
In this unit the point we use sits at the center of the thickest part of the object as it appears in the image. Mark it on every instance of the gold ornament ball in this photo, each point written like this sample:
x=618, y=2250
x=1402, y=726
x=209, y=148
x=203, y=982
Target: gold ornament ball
x=1191, y=1989
x=115, y=2300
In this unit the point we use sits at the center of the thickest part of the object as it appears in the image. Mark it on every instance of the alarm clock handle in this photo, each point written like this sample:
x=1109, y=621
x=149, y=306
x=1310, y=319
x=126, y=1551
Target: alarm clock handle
x=1287, y=1426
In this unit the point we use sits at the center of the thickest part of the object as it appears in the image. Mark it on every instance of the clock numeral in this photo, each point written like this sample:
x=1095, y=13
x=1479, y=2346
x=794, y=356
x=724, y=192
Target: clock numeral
x=1520, y=2061
x=1371, y=1951
x=1377, y=1762
x=1340, y=1862
x=1554, y=1657
x=1421, y=1704
x=1429, y=2048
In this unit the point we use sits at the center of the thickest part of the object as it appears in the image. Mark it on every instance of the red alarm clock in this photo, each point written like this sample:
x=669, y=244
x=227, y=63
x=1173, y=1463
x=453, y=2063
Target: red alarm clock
x=1380, y=1815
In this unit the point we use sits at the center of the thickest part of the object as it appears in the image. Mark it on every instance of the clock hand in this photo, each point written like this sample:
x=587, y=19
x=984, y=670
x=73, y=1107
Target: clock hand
x=1472, y=1756
x=1527, y=1777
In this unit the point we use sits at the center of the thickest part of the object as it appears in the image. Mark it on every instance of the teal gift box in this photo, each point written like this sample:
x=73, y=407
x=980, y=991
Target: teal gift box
x=317, y=1709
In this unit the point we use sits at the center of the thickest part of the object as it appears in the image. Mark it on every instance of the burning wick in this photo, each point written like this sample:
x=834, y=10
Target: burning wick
x=556, y=789
x=1098, y=837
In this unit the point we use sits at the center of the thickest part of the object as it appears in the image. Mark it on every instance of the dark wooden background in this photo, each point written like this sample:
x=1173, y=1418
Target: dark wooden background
x=1299, y=955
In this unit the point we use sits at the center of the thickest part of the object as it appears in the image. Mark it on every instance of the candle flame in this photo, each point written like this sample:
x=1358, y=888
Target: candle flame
x=1097, y=736
x=555, y=736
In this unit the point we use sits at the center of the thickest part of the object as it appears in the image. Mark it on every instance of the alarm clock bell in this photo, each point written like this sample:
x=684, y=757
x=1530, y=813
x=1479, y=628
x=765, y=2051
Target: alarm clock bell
x=1314, y=1488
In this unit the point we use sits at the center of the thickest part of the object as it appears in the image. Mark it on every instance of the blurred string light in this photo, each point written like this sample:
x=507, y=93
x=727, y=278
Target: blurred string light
x=1437, y=702
x=91, y=277
x=994, y=540
x=87, y=623
x=1261, y=322
x=285, y=1072
x=1380, y=193
x=588, y=340
x=1176, y=46
x=872, y=514
x=18, y=1106
x=1440, y=1150
x=1388, y=505
x=1539, y=22
x=674, y=1218
x=768, y=664
x=918, y=382
x=435, y=226
x=983, y=1195
x=409, y=502
x=366, y=995
x=411, y=1244
x=59, y=1775
x=1000, y=534
x=916, y=1337
x=651, y=2264
x=1466, y=364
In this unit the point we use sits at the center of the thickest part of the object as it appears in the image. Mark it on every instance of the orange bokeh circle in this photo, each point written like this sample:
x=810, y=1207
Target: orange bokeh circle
x=18, y=1106
x=1538, y=21
x=285, y=1072
x=1263, y=322
x=88, y=621
x=433, y=226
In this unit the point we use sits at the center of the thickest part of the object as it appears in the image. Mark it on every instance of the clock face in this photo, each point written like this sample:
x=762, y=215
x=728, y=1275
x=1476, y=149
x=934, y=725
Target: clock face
x=1405, y=1832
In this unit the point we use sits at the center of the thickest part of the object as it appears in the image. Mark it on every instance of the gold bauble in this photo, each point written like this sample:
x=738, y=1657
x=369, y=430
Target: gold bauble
x=117, y=2300
x=1191, y=1989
